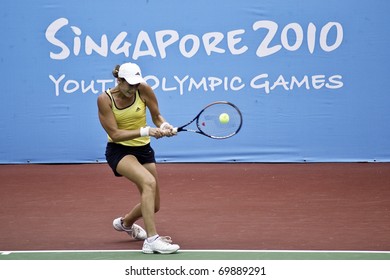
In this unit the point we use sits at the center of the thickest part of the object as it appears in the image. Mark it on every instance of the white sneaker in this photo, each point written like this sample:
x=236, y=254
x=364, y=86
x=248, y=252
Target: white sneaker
x=136, y=232
x=162, y=245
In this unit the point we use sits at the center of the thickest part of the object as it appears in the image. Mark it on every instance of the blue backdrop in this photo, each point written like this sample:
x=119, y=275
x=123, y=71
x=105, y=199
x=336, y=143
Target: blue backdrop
x=309, y=76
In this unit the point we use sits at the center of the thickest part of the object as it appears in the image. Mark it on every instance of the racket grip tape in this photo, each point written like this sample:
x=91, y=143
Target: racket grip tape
x=178, y=129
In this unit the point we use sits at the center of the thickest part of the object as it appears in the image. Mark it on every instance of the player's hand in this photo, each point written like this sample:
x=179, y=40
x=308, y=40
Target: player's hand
x=156, y=132
x=168, y=129
x=169, y=132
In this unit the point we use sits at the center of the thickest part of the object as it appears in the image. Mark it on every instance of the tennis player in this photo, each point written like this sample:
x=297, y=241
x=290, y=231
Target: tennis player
x=122, y=113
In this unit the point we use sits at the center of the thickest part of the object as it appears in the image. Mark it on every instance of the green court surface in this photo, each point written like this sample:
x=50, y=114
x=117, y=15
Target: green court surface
x=195, y=255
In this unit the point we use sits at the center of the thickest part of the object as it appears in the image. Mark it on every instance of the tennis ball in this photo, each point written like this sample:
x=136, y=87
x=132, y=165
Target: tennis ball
x=223, y=118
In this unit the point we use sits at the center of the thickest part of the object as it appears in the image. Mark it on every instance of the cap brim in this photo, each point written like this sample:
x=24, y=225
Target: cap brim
x=135, y=80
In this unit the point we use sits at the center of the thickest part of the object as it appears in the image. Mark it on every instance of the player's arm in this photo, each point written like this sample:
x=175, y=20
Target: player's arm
x=108, y=122
x=148, y=95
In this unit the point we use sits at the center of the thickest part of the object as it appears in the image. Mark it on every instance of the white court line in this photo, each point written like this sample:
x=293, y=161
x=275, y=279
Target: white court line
x=200, y=251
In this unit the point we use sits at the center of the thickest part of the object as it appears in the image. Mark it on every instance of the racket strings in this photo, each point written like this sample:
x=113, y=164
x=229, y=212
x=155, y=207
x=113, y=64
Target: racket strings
x=210, y=124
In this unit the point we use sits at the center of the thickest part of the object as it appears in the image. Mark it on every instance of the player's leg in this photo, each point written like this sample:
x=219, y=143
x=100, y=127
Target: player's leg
x=145, y=177
x=151, y=167
x=130, y=168
x=136, y=212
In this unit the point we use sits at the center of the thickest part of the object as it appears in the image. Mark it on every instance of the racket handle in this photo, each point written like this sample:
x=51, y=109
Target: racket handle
x=178, y=129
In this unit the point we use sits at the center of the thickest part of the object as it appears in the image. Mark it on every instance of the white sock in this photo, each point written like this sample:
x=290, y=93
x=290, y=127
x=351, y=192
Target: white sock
x=152, y=238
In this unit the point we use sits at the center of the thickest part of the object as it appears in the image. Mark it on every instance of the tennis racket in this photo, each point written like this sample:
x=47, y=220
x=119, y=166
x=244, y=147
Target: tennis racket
x=218, y=120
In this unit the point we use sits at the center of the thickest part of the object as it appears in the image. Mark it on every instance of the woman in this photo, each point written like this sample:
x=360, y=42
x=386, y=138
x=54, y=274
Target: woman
x=122, y=113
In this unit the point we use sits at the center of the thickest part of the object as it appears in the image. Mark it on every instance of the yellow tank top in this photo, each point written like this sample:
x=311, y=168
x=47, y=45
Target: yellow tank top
x=130, y=118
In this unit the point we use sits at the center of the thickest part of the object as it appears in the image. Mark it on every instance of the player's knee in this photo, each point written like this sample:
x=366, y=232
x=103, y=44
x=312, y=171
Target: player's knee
x=149, y=185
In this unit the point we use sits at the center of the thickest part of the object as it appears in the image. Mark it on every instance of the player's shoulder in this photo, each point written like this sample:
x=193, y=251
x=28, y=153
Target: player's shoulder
x=145, y=90
x=103, y=98
x=103, y=95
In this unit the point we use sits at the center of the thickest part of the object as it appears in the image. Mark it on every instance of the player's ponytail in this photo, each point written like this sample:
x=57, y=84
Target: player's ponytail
x=116, y=71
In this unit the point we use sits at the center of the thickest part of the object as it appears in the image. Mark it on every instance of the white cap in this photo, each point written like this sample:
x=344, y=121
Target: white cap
x=131, y=73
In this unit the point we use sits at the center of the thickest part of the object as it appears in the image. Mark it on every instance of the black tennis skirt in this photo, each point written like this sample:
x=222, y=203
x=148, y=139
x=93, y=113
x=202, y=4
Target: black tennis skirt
x=115, y=152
